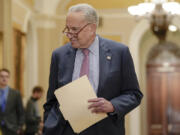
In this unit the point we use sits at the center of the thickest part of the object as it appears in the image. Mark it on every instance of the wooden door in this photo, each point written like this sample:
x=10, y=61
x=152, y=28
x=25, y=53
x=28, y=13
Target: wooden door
x=173, y=106
x=163, y=89
x=19, y=48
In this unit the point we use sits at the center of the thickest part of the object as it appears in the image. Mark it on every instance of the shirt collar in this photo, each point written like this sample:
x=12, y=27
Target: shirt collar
x=93, y=48
x=5, y=91
x=6, y=88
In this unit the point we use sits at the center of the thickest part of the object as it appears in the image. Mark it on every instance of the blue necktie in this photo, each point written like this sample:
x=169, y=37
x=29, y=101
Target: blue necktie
x=3, y=103
x=3, y=100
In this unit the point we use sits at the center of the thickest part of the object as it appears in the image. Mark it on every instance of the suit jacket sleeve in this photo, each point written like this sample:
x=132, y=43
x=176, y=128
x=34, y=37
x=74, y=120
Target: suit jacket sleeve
x=53, y=84
x=130, y=96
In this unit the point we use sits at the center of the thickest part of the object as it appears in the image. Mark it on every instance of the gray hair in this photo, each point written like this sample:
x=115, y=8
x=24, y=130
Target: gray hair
x=90, y=13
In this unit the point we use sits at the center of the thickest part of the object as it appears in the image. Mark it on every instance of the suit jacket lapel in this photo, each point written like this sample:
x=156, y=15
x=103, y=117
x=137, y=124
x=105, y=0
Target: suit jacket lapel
x=105, y=57
x=8, y=101
x=69, y=63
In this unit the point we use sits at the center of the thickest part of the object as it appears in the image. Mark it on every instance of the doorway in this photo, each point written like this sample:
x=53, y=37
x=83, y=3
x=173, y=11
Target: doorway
x=163, y=89
x=19, y=42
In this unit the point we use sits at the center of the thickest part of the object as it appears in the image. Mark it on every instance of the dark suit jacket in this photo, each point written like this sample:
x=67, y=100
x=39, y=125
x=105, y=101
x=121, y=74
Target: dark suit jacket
x=117, y=83
x=32, y=120
x=14, y=111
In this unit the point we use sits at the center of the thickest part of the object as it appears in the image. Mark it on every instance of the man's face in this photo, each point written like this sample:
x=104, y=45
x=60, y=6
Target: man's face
x=76, y=23
x=38, y=95
x=4, y=78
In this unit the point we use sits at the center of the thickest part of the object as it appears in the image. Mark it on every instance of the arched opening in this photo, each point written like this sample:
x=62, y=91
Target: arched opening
x=141, y=42
x=163, y=98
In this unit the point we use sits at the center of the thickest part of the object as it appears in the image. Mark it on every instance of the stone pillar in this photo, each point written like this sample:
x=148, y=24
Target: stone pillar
x=7, y=38
x=49, y=37
x=31, y=59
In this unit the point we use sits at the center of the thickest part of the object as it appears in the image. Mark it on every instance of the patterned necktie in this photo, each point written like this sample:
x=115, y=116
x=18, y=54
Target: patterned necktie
x=85, y=63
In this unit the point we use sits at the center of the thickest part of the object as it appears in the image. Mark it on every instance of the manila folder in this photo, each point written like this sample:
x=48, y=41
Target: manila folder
x=73, y=99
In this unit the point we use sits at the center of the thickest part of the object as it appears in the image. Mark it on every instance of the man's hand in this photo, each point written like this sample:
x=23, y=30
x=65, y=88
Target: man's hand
x=100, y=105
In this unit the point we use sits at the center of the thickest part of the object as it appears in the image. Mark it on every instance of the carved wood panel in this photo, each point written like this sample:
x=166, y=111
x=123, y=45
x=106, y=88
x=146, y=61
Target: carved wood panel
x=163, y=89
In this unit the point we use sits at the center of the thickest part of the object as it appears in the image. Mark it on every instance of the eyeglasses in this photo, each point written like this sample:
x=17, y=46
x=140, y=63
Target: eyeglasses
x=67, y=30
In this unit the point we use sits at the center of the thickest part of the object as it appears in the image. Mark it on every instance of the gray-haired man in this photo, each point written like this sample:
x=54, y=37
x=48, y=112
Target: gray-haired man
x=107, y=64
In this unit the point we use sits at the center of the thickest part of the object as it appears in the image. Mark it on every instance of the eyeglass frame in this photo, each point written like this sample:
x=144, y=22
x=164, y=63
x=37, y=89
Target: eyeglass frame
x=75, y=34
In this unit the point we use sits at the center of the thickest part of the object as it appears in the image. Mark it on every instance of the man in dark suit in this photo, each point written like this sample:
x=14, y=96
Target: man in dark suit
x=107, y=64
x=11, y=107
